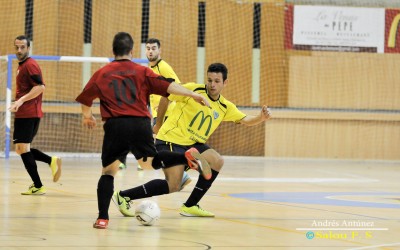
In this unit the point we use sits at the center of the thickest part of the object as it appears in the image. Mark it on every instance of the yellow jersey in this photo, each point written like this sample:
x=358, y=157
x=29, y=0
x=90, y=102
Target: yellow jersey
x=190, y=122
x=164, y=69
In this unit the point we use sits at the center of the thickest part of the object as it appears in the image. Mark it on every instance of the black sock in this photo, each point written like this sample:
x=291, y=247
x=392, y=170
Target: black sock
x=151, y=188
x=105, y=190
x=40, y=156
x=166, y=159
x=122, y=159
x=200, y=189
x=30, y=166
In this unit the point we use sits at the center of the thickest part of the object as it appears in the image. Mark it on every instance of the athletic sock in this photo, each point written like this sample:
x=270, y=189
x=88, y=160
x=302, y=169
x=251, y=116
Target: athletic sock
x=166, y=159
x=122, y=159
x=200, y=189
x=152, y=188
x=105, y=190
x=40, y=156
x=30, y=166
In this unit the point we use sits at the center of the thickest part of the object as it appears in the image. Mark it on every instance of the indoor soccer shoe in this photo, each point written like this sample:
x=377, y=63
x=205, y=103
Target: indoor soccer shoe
x=100, y=224
x=185, y=180
x=122, y=166
x=197, y=162
x=123, y=205
x=194, y=211
x=55, y=167
x=35, y=191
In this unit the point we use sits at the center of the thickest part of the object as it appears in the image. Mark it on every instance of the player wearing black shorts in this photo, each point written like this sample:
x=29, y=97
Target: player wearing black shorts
x=28, y=111
x=123, y=88
x=191, y=126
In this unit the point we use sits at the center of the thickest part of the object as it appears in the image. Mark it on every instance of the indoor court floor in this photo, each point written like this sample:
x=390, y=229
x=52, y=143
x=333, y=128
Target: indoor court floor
x=260, y=203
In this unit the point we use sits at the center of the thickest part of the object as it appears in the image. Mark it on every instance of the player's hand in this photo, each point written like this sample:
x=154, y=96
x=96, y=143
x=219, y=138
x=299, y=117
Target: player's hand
x=15, y=106
x=90, y=122
x=156, y=128
x=265, y=112
x=201, y=99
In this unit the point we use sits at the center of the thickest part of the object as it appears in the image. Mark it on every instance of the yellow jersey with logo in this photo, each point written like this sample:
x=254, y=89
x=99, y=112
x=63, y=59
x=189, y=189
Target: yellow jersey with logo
x=164, y=69
x=189, y=122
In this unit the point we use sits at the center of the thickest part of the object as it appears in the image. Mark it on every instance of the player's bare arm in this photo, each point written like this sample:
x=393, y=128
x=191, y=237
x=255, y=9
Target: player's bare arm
x=35, y=91
x=177, y=89
x=251, y=120
x=89, y=120
x=162, y=109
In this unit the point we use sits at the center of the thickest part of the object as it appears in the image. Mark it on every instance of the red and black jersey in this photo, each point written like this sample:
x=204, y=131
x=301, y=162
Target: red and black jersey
x=123, y=88
x=28, y=76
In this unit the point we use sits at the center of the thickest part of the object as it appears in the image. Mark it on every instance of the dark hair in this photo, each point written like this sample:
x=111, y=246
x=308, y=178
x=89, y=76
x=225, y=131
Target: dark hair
x=23, y=37
x=122, y=44
x=218, y=68
x=154, y=40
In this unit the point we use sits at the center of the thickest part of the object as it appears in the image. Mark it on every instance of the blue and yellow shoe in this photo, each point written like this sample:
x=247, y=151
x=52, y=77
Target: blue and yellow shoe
x=55, y=167
x=195, y=211
x=185, y=180
x=34, y=190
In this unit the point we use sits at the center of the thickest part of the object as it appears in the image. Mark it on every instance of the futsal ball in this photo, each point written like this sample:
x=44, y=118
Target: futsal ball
x=147, y=212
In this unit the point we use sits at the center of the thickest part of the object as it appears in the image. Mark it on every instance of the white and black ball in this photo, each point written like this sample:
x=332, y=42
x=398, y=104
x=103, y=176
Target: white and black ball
x=147, y=212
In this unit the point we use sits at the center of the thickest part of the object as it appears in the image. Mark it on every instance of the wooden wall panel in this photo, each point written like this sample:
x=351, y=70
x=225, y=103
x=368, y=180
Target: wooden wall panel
x=58, y=31
x=344, y=81
x=45, y=28
x=335, y=139
x=176, y=27
x=71, y=39
x=273, y=61
x=12, y=24
x=111, y=17
x=229, y=40
x=44, y=42
x=70, y=28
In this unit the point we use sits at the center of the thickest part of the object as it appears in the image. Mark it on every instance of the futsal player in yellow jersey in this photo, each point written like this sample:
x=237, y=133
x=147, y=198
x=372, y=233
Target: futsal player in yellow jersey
x=190, y=125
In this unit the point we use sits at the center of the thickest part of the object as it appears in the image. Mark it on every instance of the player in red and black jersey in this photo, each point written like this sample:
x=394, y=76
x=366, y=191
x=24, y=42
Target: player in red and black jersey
x=28, y=111
x=123, y=88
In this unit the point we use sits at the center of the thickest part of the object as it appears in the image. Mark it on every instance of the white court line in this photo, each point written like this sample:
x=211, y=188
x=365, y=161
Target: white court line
x=343, y=174
x=297, y=180
x=376, y=246
x=349, y=198
x=342, y=229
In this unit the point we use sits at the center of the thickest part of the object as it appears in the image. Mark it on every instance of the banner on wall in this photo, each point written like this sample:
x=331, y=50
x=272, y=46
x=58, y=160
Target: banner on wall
x=392, y=31
x=328, y=28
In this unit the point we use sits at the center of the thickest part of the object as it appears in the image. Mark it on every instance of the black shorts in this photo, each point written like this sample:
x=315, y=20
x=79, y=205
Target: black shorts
x=127, y=134
x=25, y=129
x=168, y=146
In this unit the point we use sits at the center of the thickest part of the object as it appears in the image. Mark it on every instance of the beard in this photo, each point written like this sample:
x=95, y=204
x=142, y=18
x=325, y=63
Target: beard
x=152, y=59
x=22, y=57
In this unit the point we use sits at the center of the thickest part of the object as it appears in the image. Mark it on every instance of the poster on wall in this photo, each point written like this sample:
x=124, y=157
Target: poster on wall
x=328, y=28
x=392, y=31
